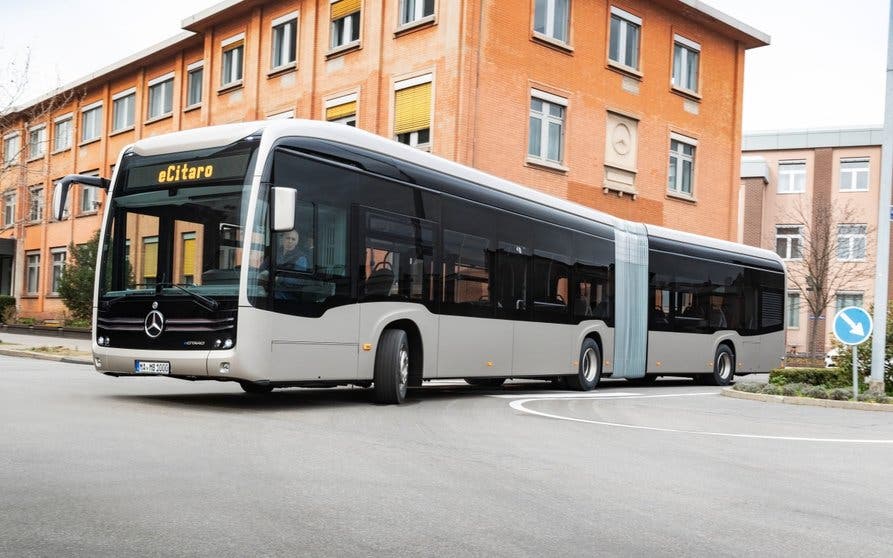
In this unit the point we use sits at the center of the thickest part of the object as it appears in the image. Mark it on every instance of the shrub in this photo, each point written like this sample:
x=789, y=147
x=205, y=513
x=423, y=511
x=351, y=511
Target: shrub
x=771, y=389
x=828, y=377
x=7, y=308
x=845, y=355
x=748, y=387
x=867, y=397
x=840, y=394
x=790, y=390
x=76, y=281
x=883, y=398
x=816, y=392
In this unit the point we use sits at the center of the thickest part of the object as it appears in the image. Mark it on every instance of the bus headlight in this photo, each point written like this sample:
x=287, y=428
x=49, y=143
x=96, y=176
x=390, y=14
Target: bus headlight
x=228, y=343
x=224, y=368
x=217, y=343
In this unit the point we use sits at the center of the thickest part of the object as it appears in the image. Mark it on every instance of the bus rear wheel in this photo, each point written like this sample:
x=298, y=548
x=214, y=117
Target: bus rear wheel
x=590, y=372
x=723, y=367
x=391, y=374
x=485, y=382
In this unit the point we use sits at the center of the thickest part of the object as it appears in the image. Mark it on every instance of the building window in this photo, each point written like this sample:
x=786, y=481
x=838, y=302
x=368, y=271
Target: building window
x=188, y=270
x=415, y=10
x=62, y=133
x=851, y=241
x=792, y=311
x=788, y=242
x=194, y=75
x=11, y=148
x=32, y=277
x=285, y=41
x=550, y=18
x=35, y=206
x=791, y=177
x=37, y=141
x=161, y=96
x=150, y=260
x=686, y=55
x=91, y=122
x=123, y=110
x=848, y=299
x=89, y=202
x=854, y=175
x=9, y=209
x=682, y=165
x=345, y=22
x=412, y=111
x=233, y=54
x=342, y=110
x=546, y=141
x=59, y=255
x=624, y=46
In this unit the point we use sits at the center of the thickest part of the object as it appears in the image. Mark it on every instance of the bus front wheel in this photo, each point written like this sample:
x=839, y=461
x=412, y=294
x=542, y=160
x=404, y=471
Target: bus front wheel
x=590, y=371
x=723, y=367
x=391, y=374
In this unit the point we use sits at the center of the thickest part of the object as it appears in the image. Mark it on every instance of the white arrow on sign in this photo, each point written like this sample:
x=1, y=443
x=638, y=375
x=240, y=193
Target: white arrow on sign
x=855, y=329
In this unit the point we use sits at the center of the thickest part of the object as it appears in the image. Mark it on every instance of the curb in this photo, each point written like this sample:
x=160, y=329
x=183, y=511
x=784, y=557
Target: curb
x=808, y=401
x=41, y=356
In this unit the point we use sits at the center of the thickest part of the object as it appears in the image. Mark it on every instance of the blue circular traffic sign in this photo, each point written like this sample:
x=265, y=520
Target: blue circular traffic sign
x=852, y=325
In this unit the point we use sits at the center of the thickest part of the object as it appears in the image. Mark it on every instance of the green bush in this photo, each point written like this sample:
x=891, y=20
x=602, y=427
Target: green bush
x=748, y=387
x=816, y=392
x=791, y=390
x=828, y=377
x=7, y=308
x=771, y=389
x=840, y=394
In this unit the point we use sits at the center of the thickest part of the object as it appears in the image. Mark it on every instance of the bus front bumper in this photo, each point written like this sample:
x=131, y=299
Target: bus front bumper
x=195, y=365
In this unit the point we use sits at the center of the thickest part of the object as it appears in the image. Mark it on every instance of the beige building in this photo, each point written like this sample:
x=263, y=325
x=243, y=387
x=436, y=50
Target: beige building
x=812, y=196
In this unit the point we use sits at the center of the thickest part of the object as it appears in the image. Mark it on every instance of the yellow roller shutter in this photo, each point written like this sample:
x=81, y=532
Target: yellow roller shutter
x=413, y=109
x=189, y=255
x=340, y=111
x=150, y=257
x=344, y=8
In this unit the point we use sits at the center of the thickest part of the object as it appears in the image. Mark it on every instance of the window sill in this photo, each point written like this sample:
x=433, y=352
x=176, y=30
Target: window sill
x=280, y=70
x=407, y=28
x=552, y=43
x=686, y=93
x=620, y=190
x=342, y=50
x=121, y=131
x=682, y=197
x=191, y=108
x=87, y=214
x=34, y=223
x=229, y=87
x=546, y=165
x=32, y=296
x=63, y=150
x=860, y=191
x=159, y=118
x=89, y=141
x=36, y=158
x=787, y=193
x=625, y=70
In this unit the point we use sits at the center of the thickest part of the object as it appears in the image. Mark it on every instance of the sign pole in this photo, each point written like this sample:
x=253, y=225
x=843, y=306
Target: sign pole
x=855, y=372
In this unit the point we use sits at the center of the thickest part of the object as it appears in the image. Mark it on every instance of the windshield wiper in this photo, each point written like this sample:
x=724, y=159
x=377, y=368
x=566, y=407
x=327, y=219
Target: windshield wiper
x=203, y=301
x=106, y=304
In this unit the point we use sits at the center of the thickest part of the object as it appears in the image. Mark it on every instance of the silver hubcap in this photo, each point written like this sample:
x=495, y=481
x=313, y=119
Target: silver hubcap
x=724, y=364
x=590, y=366
x=404, y=369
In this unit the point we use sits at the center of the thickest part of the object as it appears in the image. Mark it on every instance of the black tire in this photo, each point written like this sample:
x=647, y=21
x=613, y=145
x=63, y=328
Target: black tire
x=590, y=371
x=723, y=367
x=256, y=389
x=485, y=382
x=391, y=367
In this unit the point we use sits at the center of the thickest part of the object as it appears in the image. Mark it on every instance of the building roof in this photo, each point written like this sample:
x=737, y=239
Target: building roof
x=812, y=138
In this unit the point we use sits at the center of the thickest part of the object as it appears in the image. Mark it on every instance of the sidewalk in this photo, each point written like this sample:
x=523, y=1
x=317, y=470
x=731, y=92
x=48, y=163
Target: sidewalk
x=50, y=347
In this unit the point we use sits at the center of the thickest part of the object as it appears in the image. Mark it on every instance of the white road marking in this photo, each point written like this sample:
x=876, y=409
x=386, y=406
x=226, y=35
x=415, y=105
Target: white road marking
x=518, y=405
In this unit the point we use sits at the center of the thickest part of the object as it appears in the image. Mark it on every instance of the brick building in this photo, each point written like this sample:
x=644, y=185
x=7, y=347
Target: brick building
x=812, y=196
x=632, y=107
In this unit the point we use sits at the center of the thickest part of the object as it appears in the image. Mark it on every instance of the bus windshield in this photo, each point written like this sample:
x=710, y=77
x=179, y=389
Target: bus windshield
x=176, y=224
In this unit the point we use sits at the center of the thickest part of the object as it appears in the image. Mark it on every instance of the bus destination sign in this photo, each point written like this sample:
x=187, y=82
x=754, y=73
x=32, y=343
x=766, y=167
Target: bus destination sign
x=188, y=173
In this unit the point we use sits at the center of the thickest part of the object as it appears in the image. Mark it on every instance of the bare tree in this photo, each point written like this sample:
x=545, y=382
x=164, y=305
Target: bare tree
x=821, y=272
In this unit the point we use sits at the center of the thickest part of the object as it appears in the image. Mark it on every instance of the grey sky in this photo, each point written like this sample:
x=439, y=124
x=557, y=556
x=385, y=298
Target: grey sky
x=824, y=68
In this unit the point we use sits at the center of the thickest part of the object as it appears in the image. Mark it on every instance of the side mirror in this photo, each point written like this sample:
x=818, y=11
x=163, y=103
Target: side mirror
x=60, y=193
x=283, y=208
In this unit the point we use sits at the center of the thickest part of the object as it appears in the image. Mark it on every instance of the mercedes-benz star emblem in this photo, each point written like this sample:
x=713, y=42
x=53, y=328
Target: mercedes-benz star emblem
x=154, y=324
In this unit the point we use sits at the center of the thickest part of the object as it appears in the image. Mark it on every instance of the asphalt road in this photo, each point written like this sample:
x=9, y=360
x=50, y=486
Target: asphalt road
x=98, y=466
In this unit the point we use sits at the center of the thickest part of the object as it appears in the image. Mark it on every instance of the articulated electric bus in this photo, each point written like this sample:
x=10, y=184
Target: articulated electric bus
x=303, y=253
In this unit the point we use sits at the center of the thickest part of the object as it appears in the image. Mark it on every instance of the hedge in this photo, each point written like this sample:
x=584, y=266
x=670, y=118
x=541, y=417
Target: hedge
x=828, y=377
x=6, y=302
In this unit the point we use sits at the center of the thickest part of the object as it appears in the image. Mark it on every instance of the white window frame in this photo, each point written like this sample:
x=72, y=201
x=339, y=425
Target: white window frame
x=677, y=159
x=789, y=253
x=94, y=110
x=792, y=308
x=195, y=73
x=164, y=85
x=36, y=203
x=37, y=149
x=792, y=176
x=57, y=265
x=851, y=176
x=849, y=297
x=687, y=49
x=89, y=199
x=418, y=15
x=284, y=29
x=848, y=239
x=32, y=271
x=342, y=38
x=57, y=122
x=545, y=117
x=550, y=21
x=9, y=208
x=343, y=100
x=232, y=52
x=627, y=21
x=121, y=100
x=11, y=148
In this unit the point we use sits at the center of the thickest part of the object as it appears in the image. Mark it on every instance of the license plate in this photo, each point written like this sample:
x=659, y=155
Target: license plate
x=151, y=367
